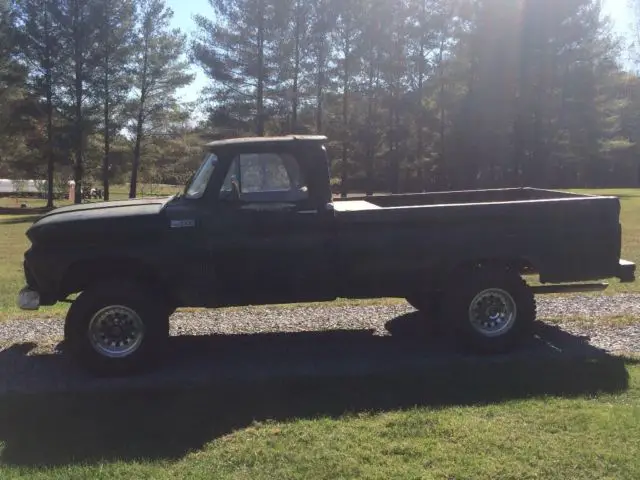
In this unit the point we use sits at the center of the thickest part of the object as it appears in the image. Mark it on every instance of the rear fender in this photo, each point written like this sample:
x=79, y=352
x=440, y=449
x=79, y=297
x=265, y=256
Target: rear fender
x=522, y=266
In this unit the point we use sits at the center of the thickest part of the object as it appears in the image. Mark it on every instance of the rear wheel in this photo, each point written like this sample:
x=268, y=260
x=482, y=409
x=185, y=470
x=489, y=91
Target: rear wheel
x=116, y=329
x=492, y=310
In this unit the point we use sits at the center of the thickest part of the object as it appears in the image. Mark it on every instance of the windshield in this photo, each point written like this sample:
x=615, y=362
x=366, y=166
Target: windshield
x=200, y=180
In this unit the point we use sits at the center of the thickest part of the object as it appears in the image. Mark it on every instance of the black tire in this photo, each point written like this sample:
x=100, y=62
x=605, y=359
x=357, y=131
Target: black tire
x=488, y=289
x=117, y=300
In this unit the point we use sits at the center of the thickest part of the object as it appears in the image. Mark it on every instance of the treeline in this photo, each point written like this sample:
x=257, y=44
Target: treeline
x=413, y=94
x=86, y=87
x=431, y=94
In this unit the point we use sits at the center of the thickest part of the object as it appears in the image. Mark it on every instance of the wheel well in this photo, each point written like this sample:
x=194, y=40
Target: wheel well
x=82, y=274
x=520, y=265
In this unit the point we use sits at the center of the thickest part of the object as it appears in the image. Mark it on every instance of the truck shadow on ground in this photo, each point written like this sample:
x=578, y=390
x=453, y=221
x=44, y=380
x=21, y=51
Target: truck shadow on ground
x=214, y=385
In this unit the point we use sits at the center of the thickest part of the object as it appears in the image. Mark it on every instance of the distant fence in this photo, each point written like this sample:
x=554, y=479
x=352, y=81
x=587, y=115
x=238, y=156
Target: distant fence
x=29, y=189
x=23, y=188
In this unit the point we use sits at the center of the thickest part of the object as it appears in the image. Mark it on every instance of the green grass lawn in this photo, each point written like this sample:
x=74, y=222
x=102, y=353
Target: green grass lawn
x=542, y=419
x=13, y=243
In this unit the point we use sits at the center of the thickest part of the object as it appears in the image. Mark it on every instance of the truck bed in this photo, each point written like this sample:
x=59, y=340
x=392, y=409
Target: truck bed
x=530, y=203
x=564, y=237
x=456, y=197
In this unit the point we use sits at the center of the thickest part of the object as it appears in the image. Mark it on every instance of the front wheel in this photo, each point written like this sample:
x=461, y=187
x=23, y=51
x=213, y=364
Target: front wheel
x=116, y=329
x=491, y=310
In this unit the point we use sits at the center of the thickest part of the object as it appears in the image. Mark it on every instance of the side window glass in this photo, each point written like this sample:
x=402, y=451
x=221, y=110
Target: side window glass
x=266, y=177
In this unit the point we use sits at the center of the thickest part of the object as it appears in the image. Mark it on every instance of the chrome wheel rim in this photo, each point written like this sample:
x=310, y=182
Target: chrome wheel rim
x=116, y=331
x=493, y=312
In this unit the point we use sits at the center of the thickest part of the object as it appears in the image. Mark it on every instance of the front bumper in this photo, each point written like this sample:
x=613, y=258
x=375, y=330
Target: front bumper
x=28, y=299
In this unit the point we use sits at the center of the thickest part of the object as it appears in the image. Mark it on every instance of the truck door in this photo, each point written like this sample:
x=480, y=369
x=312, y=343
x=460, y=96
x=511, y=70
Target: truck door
x=269, y=244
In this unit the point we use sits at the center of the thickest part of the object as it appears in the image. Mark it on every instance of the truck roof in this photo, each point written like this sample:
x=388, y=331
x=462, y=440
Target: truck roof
x=266, y=140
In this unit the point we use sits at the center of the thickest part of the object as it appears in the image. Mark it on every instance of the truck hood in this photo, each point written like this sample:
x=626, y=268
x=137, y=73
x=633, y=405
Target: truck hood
x=106, y=219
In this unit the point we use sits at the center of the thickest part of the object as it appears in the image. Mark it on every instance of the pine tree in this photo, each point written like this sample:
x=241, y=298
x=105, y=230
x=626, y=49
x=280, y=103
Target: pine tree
x=291, y=58
x=161, y=71
x=113, y=72
x=237, y=51
x=78, y=21
x=10, y=71
x=323, y=19
x=12, y=93
x=42, y=53
x=393, y=73
x=347, y=37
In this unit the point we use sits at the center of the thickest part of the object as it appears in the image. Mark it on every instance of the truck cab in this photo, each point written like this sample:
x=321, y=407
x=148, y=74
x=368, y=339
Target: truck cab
x=286, y=173
x=256, y=209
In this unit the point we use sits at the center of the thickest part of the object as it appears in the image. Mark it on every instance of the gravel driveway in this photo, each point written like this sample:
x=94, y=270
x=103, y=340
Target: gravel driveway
x=302, y=340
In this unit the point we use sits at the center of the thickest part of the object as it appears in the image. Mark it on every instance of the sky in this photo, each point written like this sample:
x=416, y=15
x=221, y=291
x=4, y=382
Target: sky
x=183, y=11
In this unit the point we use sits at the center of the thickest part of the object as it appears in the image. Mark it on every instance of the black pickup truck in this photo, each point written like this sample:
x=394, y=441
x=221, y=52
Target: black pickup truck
x=257, y=224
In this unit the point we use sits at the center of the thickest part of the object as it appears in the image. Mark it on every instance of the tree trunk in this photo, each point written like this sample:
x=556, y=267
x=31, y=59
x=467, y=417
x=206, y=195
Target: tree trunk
x=319, y=94
x=50, y=164
x=391, y=161
x=320, y=82
x=49, y=87
x=345, y=116
x=443, y=140
x=140, y=122
x=369, y=136
x=136, y=156
x=105, y=161
x=79, y=151
x=107, y=140
x=296, y=73
x=79, y=126
x=421, y=116
x=396, y=163
x=260, y=106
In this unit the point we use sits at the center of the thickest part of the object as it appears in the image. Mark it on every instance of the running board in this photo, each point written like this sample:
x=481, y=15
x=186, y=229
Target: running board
x=575, y=288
